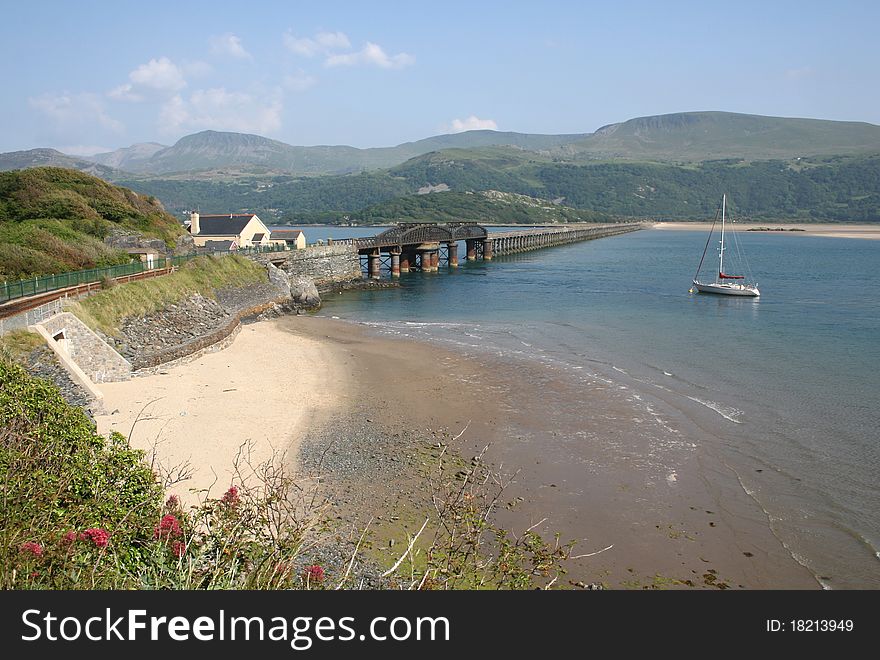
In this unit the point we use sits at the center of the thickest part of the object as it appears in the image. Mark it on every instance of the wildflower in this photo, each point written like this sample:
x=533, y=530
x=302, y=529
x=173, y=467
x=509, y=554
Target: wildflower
x=100, y=537
x=69, y=538
x=314, y=574
x=32, y=547
x=231, y=497
x=168, y=527
x=172, y=503
x=178, y=548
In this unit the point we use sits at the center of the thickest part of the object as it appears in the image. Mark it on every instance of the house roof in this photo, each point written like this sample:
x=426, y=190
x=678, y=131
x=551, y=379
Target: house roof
x=224, y=225
x=288, y=234
x=258, y=238
x=221, y=245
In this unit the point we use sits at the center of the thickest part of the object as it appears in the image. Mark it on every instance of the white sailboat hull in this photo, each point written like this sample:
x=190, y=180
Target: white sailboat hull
x=726, y=289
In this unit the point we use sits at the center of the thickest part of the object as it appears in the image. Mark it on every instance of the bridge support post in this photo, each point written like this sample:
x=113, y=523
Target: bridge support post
x=471, y=246
x=374, y=264
x=404, y=261
x=435, y=260
x=487, y=249
x=395, y=264
x=452, y=249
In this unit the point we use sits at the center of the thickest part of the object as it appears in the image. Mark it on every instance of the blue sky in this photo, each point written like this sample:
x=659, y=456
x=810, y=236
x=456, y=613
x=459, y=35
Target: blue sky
x=91, y=75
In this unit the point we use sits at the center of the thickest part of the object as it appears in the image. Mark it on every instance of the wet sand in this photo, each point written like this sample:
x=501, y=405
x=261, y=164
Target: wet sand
x=831, y=230
x=589, y=462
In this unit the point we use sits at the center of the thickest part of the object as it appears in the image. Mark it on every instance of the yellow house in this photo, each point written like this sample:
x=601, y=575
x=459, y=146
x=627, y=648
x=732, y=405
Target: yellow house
x=242, y=229
x=294, y=238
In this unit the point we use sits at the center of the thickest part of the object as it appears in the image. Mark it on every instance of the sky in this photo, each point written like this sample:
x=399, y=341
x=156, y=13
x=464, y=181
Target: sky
x=91, y=76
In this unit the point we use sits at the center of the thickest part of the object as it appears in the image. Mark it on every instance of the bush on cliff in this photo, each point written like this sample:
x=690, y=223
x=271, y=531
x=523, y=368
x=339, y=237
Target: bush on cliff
x=54, y=220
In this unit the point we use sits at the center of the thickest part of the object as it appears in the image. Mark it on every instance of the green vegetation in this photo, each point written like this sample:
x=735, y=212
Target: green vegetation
x=54, y=220
x=105, y=310
x=485, y=207
x=818, y=189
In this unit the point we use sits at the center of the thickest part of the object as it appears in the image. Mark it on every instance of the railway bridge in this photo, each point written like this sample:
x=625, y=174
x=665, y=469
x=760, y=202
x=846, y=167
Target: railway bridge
x=425, y=246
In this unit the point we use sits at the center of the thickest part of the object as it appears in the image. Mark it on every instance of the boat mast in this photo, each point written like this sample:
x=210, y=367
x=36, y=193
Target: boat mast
x=721, y=252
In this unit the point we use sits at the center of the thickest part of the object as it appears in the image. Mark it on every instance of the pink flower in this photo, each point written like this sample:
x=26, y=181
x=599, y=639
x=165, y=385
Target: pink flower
x=178, y=548
x=100, y=537
x=231, y=497
x=32, y=547
x=69, y=537
x=168, y=527
x=313, y=574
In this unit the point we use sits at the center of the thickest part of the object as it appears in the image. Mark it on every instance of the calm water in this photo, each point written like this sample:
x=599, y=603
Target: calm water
x=787, y=384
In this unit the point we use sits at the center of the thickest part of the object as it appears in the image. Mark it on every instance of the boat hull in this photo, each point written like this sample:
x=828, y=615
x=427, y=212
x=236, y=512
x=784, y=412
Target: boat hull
x=725, y=289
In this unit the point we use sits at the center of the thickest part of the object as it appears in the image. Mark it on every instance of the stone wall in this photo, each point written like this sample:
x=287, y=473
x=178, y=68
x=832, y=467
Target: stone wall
x=324, y=265
x=97, y=359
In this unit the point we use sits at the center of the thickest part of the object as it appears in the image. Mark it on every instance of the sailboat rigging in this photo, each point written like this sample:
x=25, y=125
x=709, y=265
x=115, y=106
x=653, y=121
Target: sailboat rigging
x=724, y=284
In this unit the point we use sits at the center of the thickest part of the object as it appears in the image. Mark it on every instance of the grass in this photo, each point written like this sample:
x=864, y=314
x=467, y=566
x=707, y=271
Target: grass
x=105, y=311
x=15, y=346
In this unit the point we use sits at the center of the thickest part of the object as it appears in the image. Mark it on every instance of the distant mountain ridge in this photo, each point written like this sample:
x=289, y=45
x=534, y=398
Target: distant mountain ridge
x=679, y=137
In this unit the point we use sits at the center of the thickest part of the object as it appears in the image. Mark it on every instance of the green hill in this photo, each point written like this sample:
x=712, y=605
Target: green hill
x=490, y=206
x=698, y=136
x=54, y=220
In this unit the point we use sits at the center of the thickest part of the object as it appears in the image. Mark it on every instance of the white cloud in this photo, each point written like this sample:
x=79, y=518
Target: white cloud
x=322, y=43
x=158, y=76
x=75, y=110
x=472, y=123
x=229, y=44
x=373, y=55
x=299, y=81
x=799, y=74
x=219, y=109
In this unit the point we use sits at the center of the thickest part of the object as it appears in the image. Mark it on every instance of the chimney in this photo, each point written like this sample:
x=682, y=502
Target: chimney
x=194, y=222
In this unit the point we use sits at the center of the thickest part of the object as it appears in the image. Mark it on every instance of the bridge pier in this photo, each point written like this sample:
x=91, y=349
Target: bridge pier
x=374, y=264
x=471, y=247
x=452, y=250
x=395, y=264
x=405, y=261
x=487, y=249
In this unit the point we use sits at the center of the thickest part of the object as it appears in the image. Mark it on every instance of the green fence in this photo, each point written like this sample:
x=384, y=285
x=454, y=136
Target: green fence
x=31, y=287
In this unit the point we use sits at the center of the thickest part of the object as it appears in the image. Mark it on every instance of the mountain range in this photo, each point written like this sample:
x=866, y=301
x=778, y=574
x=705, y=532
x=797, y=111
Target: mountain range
x=679, y=138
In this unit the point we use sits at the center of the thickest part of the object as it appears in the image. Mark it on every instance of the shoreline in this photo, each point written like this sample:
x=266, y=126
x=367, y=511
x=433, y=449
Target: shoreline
x=591, y=477
x=829, y=230
x=363, y=413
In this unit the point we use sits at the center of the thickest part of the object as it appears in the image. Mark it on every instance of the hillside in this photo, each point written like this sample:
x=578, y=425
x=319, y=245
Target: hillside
x=130, y=158
x=488, y=207
x=17, y=160
x=679, y=138
x=698, y=136
x=54, y=220
x=818, y=189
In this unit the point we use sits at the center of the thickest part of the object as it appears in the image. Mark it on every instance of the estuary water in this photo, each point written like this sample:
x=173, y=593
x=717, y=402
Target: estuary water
x=786, y=386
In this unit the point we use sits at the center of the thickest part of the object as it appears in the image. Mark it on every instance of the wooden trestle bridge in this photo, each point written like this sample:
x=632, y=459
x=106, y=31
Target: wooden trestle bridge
x=425, y=246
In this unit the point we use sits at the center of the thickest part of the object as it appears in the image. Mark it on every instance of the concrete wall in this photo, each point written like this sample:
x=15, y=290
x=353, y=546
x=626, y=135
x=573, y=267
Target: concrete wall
x=91, y=354
x=325, y=265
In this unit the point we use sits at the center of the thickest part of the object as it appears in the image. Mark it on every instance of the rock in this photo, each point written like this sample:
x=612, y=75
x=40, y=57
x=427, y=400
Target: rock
x=278, y=277
x=304, y=292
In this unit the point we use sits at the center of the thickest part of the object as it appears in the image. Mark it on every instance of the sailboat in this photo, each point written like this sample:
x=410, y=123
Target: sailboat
x=724, y=284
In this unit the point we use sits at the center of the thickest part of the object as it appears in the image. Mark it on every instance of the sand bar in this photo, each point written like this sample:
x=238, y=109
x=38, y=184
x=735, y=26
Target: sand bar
x=831, y=230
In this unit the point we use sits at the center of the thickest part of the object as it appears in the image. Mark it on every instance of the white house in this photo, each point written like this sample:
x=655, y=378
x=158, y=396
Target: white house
x=242, y=229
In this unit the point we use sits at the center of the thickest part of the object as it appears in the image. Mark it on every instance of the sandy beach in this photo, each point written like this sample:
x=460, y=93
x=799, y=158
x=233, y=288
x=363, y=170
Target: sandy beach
x=262, y=393
x=362, y=410
x=830, y=230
